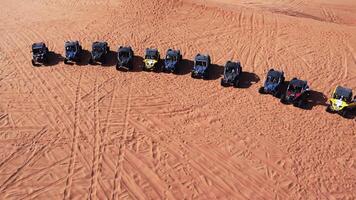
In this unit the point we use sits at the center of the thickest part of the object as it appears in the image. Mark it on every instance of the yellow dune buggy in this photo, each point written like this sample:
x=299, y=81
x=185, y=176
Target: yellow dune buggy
x=341, y=102
x=152, y=60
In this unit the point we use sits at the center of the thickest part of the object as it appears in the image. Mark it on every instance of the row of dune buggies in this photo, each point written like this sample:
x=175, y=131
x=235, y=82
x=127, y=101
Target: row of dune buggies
x=294, y=92
x=298, y=92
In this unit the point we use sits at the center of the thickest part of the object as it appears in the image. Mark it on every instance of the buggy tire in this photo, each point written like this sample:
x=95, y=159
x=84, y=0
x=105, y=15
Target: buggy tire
x=283, y=99
x=345, y=113
x=299, y=104
x=91, y=61
x=236, y=83
x=65, y=61
x=222, y=83
x=33, y=63
x=277, y=94
x=328, y=109
x=261, y=90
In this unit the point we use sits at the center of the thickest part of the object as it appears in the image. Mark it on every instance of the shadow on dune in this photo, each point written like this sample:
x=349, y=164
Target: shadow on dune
x=185, y=67
x=110, y=59
x=215, y=71
x=137, y=64
x=53, y=59
x=248, y=79
x=84, y=58
x=318, y=98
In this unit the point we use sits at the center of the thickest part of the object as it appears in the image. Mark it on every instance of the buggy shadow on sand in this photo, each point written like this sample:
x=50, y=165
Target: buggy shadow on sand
x=215, y=72
x=137, y=64
x=248, y=79
x=315, y=98
x=53, y=59
x=185, y=67
x=110, y=59
x=84, y=58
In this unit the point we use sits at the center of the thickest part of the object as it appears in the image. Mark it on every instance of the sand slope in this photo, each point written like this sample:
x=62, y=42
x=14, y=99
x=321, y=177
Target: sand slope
x=80, y=132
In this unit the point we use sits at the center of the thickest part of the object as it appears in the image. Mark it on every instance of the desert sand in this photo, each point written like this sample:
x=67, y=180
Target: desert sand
x=91, y=132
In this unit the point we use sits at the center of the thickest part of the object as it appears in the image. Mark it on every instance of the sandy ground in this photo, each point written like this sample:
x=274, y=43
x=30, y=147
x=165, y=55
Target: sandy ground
x=80, y=132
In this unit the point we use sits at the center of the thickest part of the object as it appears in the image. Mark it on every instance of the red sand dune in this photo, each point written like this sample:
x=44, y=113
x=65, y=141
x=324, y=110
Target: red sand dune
x=80, y=132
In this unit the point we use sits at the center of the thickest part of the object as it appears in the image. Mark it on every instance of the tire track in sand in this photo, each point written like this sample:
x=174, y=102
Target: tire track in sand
x=122, y=147
x=97, y=150
x=74, y=145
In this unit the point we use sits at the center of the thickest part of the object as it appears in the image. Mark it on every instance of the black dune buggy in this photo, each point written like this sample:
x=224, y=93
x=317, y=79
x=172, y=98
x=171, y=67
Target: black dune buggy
x=232, y=74
x=274, y=83
x=73, y=51
x=99, y=52
x=297, y=93
x=172, y=60
x=39, y=53
x=125, y=57
x=201, y=66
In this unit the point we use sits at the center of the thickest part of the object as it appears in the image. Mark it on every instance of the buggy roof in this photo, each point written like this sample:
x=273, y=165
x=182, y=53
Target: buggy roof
x=99, y=44
x=276, y=74
x=232, y=65
x=71, y=43
x=172, y=52
x=125, y=49
x=296, y=82
x=151, y=52
x=201, y=57
x=38, y=45
x=342, y=91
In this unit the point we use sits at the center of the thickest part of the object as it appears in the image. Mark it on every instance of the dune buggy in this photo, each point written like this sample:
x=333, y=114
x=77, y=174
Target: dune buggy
x=201, y=66
x=274, y=83
x=39, y=53
x=232, y=74
x=152, y=60
x=99, y=52
x=297, y=93
x=341, y=101
x=73, y=51
x=125, y=57
x=171, y=61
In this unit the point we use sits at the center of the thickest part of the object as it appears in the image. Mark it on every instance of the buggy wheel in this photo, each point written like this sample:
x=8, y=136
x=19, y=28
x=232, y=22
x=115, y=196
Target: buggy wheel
x=91, y=61
x=277, y=94
x=345, y=113
x=175, y=71
x=261, y=90
x=283, y=99
x=222, y=83
x=236, y=83
x=328, y=109
x=33, y=63
x=103, y=60
x=65, y=61
x=299, y=104
x=45, y=60
x=205, y=76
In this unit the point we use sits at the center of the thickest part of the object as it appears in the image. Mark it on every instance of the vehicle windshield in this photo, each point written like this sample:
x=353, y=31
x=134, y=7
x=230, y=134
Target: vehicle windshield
x=200, y=63
x=37, y=51
x=230, y=69
x=124, y=54
x=295, y=89
x=272, y=79
x=171, y=58
x=70, y=48
x=151, y=57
